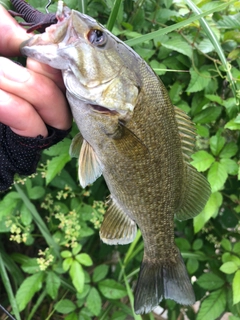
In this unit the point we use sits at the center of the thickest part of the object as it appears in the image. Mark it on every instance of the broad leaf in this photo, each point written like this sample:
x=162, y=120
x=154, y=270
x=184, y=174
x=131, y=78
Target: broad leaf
x=77, y=274
x=28, y=288
x=94, y=302
x=199, y=80
x=112, y=289
x=236, y=287
x=202, y=160
x=100, y=272
x=210, y=281
x=52, y=284
x=213, y=306
x=65, y=306
x=217, y=176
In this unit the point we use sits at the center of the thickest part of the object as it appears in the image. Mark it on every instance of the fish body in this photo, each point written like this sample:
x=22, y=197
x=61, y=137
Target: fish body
x=132, y=134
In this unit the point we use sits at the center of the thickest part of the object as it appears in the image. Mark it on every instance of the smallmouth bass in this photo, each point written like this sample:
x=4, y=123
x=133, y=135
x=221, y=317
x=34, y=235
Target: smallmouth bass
x=132, y=134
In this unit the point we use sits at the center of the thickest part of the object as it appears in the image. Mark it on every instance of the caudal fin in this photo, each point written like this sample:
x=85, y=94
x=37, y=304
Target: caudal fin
x=157, y=281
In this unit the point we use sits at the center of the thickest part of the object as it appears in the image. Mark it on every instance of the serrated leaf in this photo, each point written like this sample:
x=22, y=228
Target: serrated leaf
x=112, y=289
x=55, y=165
x=236, y=287
x=230, y=166
x=52, y=284
x=77, y=275
x=229, y=267
x=199, y=80
x=100, y=272
x=28, y=288
x=217, y=176
x=94, y=302
x=65, y=306
x=210, y=281
x=216, y=144
x=202, y=160
x=213, y=306
x=230, y=22
x=84, y=259
x=229, y=150
x=176, y=42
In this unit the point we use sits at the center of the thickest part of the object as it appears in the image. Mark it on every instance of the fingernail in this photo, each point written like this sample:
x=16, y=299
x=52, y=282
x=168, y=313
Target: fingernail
x=14, y=72
x=4, y=96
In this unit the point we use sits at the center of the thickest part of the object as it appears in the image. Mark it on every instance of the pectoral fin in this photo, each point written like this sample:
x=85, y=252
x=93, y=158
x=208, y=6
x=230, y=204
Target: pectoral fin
x=196, y=194
x=117, y=227
x=76, y=145
x=89, y=166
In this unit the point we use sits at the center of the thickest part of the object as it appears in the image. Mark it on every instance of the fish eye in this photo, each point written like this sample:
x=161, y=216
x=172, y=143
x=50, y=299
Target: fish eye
x=97, y=37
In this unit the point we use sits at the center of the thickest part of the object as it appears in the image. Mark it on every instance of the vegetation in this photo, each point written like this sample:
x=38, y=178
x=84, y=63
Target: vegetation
x=52, y=263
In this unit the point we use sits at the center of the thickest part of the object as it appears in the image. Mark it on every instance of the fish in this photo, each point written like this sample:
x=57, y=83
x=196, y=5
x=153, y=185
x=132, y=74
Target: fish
x=129, y=132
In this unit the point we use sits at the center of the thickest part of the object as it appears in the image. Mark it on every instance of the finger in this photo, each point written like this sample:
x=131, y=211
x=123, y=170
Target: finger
x=12, y=34
x=44, y=69
x=20, y=116
x=39, y=91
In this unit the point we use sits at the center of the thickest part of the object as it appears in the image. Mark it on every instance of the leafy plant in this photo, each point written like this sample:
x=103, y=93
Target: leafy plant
x=52, y=263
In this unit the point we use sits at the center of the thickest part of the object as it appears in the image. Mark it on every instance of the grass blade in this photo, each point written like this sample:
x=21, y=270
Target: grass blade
x=39, y=221
x=8, y=288
x=212, y=37
x=113, y=15
x=179, y=25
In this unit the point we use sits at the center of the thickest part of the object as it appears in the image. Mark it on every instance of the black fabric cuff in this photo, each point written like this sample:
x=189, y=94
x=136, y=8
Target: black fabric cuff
x=20, y=154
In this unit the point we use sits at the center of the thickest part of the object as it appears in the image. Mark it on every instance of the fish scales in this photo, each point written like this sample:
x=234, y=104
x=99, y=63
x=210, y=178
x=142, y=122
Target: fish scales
x=132, y=134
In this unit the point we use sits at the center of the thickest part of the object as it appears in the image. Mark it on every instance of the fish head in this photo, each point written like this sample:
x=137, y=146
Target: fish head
x=97, y=67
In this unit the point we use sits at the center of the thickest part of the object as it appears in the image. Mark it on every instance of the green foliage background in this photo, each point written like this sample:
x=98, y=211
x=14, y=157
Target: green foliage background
x=52, y=263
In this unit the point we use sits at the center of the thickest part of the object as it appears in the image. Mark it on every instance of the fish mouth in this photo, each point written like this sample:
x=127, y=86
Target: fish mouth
x=103, y=110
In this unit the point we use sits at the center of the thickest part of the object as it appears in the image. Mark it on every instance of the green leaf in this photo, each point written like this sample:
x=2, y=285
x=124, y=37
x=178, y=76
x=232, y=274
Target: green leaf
x=230, y=166
x=202, y=160
x=31, y=266
x=67, y=263
x=192, y=265
x=65, y=306
x=55, y=165
x=77, y=249
x=66, y=254
x=210, y=281
x=236, y=248
x=73, y=315
x=229, y=267
x=36, y=192
x=210, y=210
x=216, y=144
x=213, y=306
x=112, y=289
x=53, y=283
x=229, y=150
x=236, y=287
x=232, y=125
x=176, y=42
x=77, y=275
x=217, y=176
x=26, y=216
x=28, y=288
x=226, y=244
x=199, y=80
x=84, y=259
x=94, y=302
x=100, y=272
x=207, y=115
x=197, y=244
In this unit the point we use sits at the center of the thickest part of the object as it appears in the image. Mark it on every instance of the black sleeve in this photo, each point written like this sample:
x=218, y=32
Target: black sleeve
x=21, y=154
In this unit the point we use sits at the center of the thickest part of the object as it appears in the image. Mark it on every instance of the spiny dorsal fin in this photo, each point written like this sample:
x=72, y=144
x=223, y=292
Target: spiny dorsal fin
x=187, y=133
x=196, y=194
x=75, y=146
x=89, y=167
x=117, y=227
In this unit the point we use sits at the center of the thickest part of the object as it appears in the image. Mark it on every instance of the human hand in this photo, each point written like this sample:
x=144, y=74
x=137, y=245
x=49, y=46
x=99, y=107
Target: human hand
x=29, y=97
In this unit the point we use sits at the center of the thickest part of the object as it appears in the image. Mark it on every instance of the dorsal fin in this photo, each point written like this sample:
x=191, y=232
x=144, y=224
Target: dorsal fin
x=89, y=166
x=187, y=133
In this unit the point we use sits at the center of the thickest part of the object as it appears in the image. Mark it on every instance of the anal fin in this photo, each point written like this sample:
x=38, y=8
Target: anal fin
x=195, y=196
x=117, y=226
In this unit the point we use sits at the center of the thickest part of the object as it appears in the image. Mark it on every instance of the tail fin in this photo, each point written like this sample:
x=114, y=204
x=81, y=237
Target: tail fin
x=162, y=280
